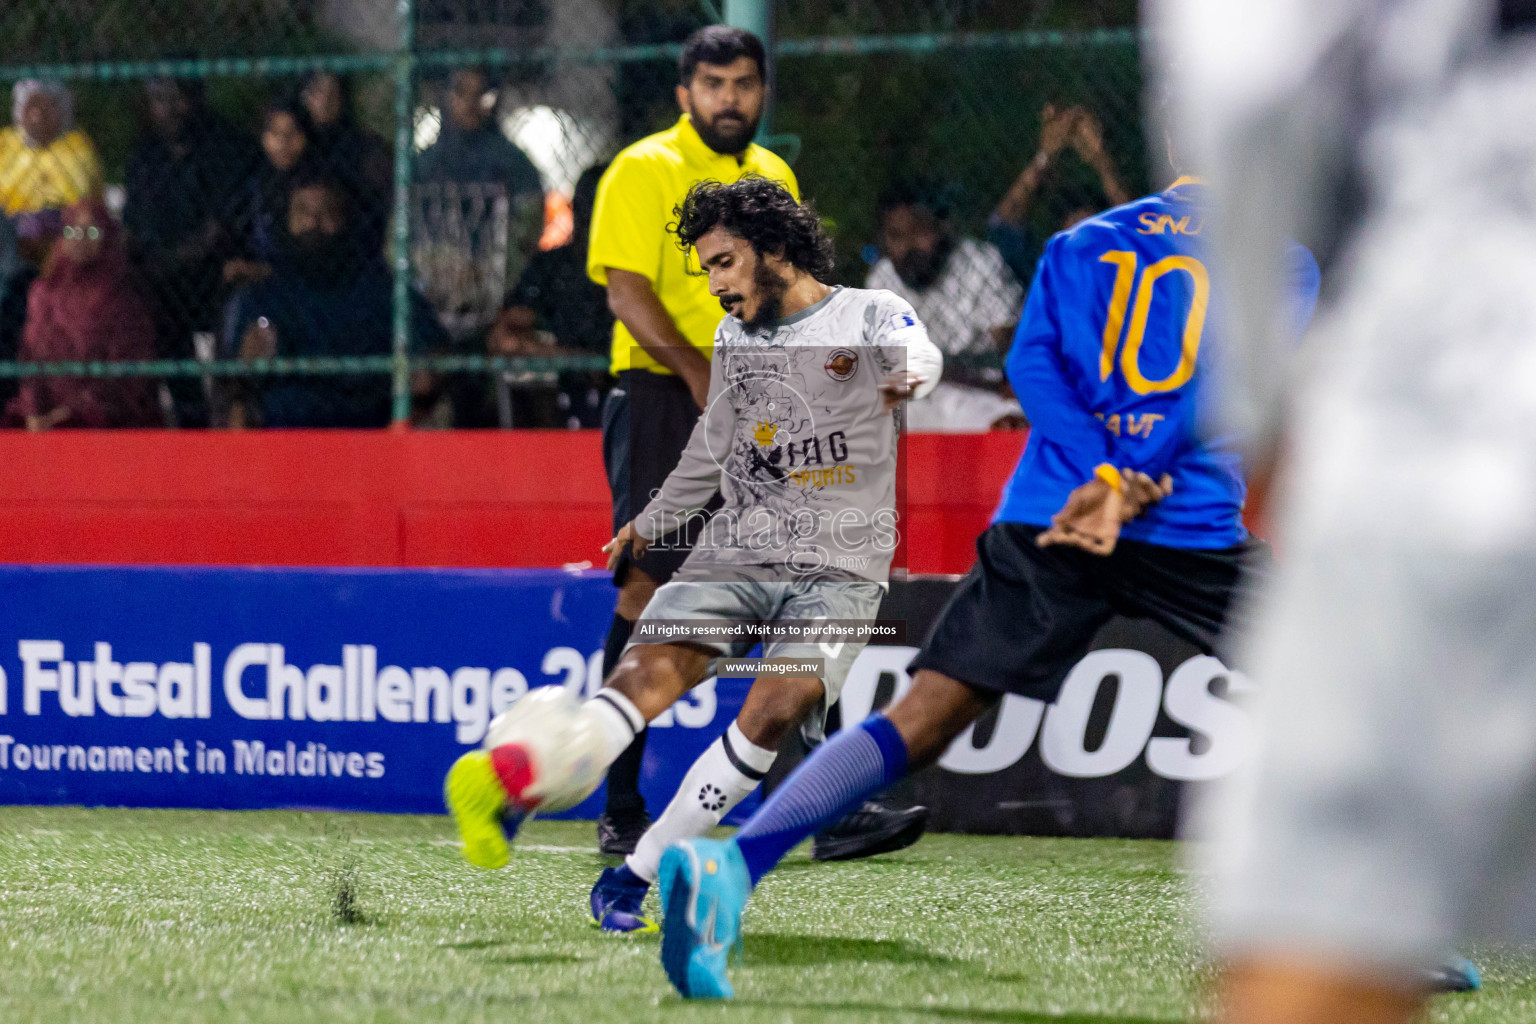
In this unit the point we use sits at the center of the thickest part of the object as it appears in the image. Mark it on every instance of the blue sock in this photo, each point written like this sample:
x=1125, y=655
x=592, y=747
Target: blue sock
x=624, y=876
x=841, y=774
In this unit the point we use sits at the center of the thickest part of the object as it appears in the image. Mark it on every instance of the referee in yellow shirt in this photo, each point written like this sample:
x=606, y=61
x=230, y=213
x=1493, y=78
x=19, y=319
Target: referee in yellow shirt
x=666, y=322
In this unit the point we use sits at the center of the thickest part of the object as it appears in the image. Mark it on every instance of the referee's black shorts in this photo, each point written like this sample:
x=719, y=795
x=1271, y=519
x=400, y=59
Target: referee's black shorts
x=1024, y=615
x=647, y=420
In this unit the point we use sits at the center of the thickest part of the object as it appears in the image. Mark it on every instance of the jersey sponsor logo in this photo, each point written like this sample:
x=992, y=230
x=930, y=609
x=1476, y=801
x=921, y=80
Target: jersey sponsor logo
x=843, y=363
x=901, y=321
x=1130, y=425
x=830, y=476
x=812, y=451
x=780, y=458
x=767, y=434
x=1166, y=224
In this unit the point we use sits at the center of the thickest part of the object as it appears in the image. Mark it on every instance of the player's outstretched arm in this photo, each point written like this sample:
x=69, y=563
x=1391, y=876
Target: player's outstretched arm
x=925, y=365
x=905, y=342
x=899, y=386
x=696, y=477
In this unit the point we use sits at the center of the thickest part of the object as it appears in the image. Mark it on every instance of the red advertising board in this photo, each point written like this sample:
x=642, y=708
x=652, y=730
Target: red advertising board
x=518, y=498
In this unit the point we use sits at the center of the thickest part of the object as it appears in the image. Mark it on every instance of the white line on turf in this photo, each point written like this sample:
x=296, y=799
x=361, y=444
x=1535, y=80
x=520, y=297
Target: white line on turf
x=525, y=847
x=280, y=837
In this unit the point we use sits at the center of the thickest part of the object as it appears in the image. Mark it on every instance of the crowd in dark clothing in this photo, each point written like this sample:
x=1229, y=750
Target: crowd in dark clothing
x=359, y=157
x=252, y=244
x=244, y=245
x=319, y=299
x=207, y=215
x=183, y=185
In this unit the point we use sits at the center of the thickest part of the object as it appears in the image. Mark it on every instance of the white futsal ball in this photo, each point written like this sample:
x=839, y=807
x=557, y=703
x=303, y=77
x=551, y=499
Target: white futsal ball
x=563, y=743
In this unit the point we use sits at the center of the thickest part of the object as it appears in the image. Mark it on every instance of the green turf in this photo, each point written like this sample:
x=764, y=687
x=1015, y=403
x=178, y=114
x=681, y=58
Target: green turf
x=169, y=916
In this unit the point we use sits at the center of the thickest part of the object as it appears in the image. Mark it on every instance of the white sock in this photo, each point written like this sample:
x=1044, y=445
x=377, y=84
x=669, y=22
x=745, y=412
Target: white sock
x=719, y=780
x=620, y=719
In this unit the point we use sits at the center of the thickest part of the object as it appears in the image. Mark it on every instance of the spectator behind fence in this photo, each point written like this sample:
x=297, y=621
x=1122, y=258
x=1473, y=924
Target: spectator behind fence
x=1017, y=227
x=472, y=151
x=183, y=185
x=288, y=148
x=84, y=307
x=470, y=147
x=966, y=296
x=359, y=157
x=46, y=163
x=556, y=309
x=323, y=298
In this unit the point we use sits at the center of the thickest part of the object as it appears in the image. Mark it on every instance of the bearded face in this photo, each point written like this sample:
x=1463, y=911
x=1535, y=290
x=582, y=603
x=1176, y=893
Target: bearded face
x=725, y=104
x=760, y=305
x=918, y=243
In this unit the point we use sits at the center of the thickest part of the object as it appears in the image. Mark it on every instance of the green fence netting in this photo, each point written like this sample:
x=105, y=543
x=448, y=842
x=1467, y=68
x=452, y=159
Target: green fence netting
x=157, y=151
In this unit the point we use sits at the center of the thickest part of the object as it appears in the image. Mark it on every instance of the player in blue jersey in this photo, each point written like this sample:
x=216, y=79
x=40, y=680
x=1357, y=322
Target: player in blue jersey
x=1119, y=505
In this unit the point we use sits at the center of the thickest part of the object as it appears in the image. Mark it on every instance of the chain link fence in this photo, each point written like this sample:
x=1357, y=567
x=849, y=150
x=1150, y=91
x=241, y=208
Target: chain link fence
x=352, y=212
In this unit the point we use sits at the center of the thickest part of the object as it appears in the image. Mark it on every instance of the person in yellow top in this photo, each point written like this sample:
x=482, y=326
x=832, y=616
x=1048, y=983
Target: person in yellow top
x=711, y=141
x=665, y=324
x=46, y=163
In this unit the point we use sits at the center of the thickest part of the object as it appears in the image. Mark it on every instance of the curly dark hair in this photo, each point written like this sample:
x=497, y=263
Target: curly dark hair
x=762, y=212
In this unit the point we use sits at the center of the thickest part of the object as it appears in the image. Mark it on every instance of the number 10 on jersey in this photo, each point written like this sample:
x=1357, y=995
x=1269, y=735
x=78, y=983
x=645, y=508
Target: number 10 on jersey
x=1126, y=283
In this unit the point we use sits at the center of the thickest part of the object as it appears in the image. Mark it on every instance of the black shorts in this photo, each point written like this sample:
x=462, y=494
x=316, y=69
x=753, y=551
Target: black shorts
x=1024, y=615
x=647, y=420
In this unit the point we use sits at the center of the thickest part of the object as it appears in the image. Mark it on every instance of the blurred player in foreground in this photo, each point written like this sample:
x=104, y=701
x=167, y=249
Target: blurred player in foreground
x=1390, y=808
x=800, y=437
x=1117, y=506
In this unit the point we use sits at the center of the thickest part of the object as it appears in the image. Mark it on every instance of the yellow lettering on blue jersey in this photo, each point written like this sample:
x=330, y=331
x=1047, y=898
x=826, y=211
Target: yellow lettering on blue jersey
x=1163, y=223
x=1130, y=355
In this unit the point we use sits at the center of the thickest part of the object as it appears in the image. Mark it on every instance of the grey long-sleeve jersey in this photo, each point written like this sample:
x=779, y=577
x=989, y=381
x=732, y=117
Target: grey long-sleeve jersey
x=795, y=437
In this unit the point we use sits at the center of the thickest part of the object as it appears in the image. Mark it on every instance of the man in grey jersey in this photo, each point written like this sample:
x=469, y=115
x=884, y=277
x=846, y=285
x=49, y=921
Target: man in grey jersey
x=1390, y=807
x=799, y=435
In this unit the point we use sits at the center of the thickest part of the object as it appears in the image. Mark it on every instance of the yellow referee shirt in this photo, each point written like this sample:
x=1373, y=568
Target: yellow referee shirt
x=629, y=229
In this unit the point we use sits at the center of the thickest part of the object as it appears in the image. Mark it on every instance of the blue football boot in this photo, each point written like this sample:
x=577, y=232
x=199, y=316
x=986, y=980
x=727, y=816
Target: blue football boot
x=704, y=886
x=616, y=901
x=1455, y=974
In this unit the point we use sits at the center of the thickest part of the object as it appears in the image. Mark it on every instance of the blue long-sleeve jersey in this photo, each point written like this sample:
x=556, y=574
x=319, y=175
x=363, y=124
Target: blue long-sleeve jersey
x=1109, y=360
